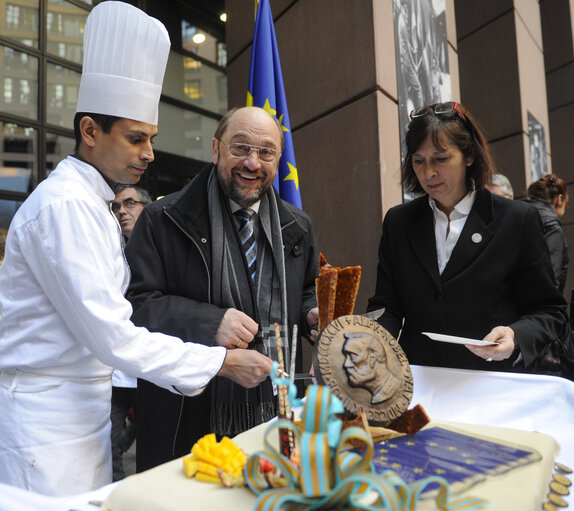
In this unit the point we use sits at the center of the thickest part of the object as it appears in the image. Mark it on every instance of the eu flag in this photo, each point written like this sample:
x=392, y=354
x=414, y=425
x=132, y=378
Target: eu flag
x=266, y=91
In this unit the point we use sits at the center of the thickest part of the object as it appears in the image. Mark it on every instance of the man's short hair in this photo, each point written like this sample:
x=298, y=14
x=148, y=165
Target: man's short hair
x=143, y=195
x=104, y=121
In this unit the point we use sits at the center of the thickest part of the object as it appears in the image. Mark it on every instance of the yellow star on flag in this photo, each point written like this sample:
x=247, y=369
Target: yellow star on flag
x=292, y=175
x=284, y=128
x=268, y=109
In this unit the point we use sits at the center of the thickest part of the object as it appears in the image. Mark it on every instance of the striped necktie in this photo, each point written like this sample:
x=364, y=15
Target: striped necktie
x=244, y=219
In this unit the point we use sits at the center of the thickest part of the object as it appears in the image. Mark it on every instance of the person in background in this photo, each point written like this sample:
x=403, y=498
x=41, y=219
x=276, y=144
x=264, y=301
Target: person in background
x=461, y=261
x=549, y=195
x=127, y=206
x=500, y=185
x=202, y=271
x=64, y=321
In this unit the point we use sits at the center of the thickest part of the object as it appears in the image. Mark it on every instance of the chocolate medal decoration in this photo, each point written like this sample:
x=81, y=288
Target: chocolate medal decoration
x=365, y=367
x=557, y=500
x=562, y=479
x=558, y=488
x=563, y=468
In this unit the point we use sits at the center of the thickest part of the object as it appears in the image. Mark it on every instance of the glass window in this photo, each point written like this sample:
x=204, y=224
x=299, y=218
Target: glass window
x=196, y=83
x=184, y=133
x=57, y=149
x=20, y=22
x=19, y=80
x=61, y=95
x=17, y=170
x=65, y=24
x=203, y=44
x=18, y=155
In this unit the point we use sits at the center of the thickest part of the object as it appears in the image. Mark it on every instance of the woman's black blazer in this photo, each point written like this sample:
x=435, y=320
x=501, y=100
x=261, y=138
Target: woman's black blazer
x=499, y=274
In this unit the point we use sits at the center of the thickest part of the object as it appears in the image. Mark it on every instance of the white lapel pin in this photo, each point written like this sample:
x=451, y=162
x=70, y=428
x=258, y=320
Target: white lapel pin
x=476, y=237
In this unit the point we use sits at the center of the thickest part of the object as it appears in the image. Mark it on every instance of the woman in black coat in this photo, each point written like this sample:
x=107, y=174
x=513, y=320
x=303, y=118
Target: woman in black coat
x=549, y=195
x=461, y=261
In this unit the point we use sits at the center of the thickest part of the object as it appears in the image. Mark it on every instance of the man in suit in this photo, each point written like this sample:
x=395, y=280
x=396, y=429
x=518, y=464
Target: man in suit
x=194, y=273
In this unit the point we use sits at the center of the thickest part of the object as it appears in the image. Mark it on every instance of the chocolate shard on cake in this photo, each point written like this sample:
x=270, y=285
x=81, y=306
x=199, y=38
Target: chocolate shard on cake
x=337, y=290
x=411, y=421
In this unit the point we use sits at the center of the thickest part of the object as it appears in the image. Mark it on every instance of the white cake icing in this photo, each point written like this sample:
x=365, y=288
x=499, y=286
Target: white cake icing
x=165, y=488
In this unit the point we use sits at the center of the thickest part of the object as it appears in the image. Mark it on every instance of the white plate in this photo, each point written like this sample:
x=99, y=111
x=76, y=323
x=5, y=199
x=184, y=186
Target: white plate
x=458, y=340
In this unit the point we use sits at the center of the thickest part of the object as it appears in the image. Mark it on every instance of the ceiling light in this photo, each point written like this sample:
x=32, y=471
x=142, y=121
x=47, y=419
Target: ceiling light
x=198, y=38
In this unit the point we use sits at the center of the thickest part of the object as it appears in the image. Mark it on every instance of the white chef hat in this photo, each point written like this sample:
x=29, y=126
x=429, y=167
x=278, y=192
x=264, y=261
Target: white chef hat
x=125, y=54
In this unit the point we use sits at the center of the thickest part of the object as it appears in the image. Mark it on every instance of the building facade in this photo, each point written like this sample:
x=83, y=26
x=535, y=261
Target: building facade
x=509, y=61
x=40, y=68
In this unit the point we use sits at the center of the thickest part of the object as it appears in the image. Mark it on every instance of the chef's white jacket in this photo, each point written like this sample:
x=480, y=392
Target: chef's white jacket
x=63, y=316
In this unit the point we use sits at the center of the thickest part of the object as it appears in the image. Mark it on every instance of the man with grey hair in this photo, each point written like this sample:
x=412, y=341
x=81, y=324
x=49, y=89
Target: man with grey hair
x=500, y=185
x=128, y=204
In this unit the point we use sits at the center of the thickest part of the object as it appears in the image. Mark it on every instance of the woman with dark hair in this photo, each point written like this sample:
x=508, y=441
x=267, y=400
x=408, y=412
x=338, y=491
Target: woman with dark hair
x=461, y=261
x=549, y=195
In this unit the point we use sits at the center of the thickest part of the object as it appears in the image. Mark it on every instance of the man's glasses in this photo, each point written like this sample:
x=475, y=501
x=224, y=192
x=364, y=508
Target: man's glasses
x=128, y=204
x=438, y=109
x=241, y=150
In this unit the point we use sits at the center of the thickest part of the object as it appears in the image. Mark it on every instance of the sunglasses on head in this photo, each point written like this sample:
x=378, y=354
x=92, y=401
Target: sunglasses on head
x=438, y=109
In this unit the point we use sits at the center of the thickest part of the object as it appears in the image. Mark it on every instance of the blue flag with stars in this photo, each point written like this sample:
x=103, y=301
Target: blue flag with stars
x=266, y=90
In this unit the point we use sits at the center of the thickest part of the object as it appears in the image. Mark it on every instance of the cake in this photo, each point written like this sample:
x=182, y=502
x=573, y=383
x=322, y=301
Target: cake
x=165, y=488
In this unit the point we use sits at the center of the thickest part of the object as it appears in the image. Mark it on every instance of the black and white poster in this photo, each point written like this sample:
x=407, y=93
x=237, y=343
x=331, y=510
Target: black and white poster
x=537, y=142
x=421, y=55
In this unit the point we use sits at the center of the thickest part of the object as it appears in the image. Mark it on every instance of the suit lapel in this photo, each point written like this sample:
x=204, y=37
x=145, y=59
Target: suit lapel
x=474, y=238
x=421, y=236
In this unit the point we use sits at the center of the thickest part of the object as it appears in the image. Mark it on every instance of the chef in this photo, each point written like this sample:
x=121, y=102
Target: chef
x=64, y=322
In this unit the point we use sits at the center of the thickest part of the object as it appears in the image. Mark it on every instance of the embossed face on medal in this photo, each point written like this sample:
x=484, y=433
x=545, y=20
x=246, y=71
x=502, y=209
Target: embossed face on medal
x=365, y=367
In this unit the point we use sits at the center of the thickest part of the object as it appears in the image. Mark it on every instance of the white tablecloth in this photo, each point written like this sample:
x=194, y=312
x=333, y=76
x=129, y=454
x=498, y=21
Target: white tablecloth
x=526, y=402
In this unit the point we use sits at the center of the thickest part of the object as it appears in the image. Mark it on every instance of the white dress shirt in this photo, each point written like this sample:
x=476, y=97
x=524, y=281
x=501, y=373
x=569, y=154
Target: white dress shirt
x=447, y=229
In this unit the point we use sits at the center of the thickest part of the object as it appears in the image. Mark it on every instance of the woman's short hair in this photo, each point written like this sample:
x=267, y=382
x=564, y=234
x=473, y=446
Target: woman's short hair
x=459, y=127
x=548, y=188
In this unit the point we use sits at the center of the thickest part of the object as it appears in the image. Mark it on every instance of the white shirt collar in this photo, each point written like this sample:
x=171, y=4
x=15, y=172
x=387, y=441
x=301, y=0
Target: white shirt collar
x=92, y=175
x=236, y=207
x=462, y=207
x=447, y=229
